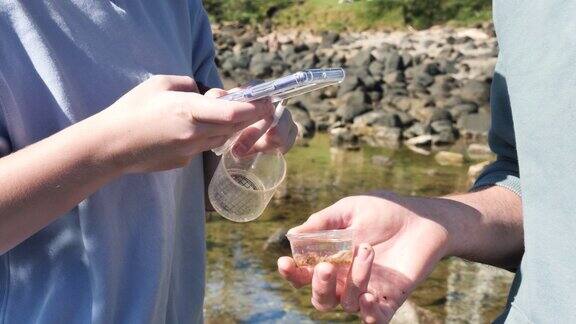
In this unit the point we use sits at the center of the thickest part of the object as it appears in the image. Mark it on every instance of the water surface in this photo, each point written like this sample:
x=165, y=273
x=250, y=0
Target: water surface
x=244, y=287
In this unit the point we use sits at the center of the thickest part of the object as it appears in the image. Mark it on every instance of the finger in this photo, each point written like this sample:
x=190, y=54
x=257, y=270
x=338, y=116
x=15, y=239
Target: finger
x=336, y=216
x=370, y=311
x=249, y=136
x=216, y=93
x=212, y=130
x=298, y=277
x=218, y=111
x=210, y=143
x=324, y=287
x=281, y=137
x=358, y=278
x=173, y=83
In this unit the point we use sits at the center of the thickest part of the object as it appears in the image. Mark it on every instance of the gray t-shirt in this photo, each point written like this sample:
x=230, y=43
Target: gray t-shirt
x=533, y=117
x=133, y=252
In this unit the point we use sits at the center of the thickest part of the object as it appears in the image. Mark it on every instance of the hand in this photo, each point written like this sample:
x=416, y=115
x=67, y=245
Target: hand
x=259, y=137
x=162, y=123
x=399, y=241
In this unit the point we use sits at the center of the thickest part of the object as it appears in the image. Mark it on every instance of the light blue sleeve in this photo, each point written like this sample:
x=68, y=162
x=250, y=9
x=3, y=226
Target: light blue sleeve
x=204, y=68
x=504, y=171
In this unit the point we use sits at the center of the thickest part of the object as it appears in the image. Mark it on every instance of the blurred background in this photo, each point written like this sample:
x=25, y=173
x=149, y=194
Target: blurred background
x=412, y=116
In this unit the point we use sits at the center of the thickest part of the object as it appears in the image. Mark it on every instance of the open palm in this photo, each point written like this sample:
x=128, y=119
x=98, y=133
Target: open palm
x=398, y=244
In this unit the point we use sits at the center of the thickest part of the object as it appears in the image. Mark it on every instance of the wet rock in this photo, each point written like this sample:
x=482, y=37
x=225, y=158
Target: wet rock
x=355, y=104
x=342, y=137
x=277, y=241
x=449, y=158
x=473, y=125
x=306, y=126
x=378, y=136
x=378, y=118
x=422, y=140
x=416, y=130
x=478, y=151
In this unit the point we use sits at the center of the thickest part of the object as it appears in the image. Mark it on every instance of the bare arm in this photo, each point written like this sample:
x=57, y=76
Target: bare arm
x=158, y=125
x=487, y=227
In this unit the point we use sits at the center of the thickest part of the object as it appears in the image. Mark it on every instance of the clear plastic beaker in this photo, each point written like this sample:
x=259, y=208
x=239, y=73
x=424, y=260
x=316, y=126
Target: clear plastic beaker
x=242, y=187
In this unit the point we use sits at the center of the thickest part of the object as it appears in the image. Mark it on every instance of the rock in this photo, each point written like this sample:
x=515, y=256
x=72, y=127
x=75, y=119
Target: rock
x=381, y=160
x=349, y=84
x=440, y=114
x=355, y=103
x=329, y=38
x=378, y=118
x=478, y=151
x=475, y=170
x=394, y=78
x=422, y=140
x=277, y=241
x=376, y=69
x=474, y=124
x=260, y=70
x=383, y=136
x=394, y=62
x=416, y=130
x=306, y=126
x=449, y=158
x=423, y=79
x=475, y=91
x=463, y=109
x=445, y=137
x=442, y=125
x=343, y=137
x=363, y=58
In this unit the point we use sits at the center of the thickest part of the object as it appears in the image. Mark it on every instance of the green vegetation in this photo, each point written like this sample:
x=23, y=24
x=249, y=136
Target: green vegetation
x=354, y=15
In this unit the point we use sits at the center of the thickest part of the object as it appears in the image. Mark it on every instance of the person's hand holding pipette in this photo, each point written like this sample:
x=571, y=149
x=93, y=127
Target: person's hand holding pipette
x=276, y=132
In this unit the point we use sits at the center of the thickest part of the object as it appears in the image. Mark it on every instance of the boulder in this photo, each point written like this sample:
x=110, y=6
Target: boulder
x=306, y=126
x=394, y=62
x=329, y=38
x=382, y=136
x=343, y=137
x=449, y=158
x=378, y=118
x=463, y=109
x=277, y=241
x=350, y=83
x=355, y=104
x=475, y=91
x=473, y=125
x=477, y=151
x=363, y=58
x=422, y=140
x=416, y=130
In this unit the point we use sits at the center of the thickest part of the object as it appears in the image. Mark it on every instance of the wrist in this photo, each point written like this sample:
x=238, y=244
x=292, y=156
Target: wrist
x=104, y=145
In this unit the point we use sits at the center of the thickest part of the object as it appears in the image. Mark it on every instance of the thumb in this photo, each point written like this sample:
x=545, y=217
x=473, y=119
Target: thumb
x=337, y=216
x=215, y=93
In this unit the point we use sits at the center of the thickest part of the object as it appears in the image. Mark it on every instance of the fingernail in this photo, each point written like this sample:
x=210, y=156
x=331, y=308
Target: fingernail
x=326, y=276
x=364, y=251
x=239, y=149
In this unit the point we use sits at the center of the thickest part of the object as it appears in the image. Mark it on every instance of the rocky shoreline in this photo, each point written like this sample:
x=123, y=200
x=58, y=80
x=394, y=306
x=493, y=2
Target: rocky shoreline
x=425, y=89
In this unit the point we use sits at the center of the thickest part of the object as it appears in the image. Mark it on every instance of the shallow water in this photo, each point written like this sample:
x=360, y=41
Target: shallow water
x=244, y=287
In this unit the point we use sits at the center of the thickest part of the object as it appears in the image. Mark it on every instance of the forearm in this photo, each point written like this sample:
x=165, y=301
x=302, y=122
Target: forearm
x=47, y=179
x=485, y=226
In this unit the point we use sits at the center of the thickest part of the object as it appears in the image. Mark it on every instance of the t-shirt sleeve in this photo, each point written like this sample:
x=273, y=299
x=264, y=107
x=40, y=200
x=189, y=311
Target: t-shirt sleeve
x=204, y=68
x=504, y=171
x=5, y=145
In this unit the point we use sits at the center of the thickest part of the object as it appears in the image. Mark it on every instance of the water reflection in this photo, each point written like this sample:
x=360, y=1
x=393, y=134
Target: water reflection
x=243, y=286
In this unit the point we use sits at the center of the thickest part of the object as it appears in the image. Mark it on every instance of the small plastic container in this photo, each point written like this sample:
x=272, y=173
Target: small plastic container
x=332, y=246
